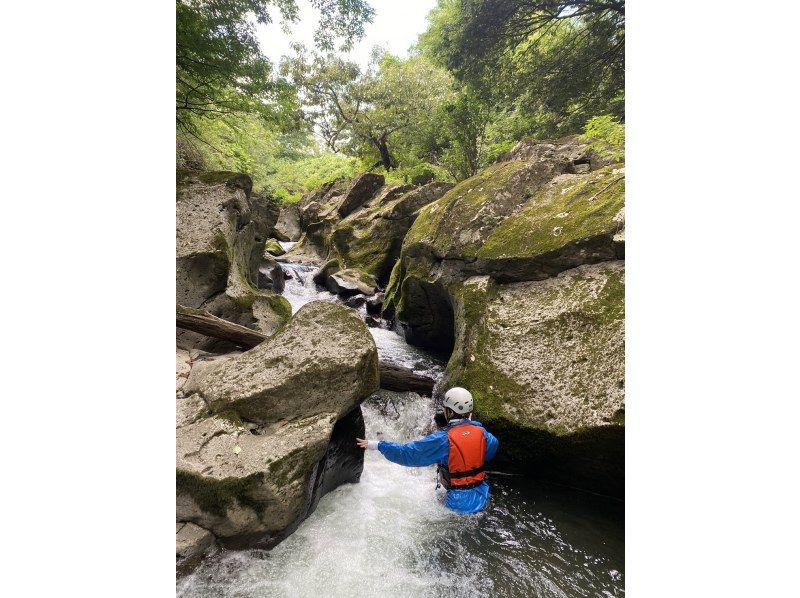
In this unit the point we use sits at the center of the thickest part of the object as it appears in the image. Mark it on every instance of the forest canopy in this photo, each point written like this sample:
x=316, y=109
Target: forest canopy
x=482, y=76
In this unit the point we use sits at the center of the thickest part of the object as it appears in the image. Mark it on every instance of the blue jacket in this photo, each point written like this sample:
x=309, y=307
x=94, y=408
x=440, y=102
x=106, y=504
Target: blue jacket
x=435, y=448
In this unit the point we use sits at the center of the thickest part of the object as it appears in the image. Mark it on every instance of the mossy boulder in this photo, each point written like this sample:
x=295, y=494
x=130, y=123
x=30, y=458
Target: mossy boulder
x=262, y=435
x=274, y=248
x=220, y=233
x=351, y=281
x=370, y=239
x=323, y=360
x=515, y=221
x=545, y=362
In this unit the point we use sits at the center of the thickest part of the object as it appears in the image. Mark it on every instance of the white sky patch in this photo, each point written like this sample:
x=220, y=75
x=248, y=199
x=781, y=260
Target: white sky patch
x=395, y=27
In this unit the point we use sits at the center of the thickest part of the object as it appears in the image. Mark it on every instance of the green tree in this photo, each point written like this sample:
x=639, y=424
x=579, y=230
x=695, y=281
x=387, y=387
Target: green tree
x=552, y=64
x=364, y=113
x=220, y=69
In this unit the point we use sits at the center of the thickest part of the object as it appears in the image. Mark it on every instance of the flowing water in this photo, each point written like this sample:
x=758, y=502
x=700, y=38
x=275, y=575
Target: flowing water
x=389, y=535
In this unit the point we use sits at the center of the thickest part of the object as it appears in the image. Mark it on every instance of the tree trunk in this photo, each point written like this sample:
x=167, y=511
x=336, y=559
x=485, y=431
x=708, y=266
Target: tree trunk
x=392, y=377
x=201, y=321
x=397, y=378
x=386, y=158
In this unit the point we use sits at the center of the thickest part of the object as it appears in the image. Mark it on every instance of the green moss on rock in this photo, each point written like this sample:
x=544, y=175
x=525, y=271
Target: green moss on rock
x=216, y=496
x=565, y=211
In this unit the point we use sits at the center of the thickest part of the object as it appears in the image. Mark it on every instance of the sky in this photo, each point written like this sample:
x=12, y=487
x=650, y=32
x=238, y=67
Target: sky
x=396, y=25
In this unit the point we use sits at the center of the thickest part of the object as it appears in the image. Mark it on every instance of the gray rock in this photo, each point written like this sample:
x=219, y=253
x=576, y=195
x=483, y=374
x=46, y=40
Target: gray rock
x=350, y=282
x=545, y=361
x=192, y=543
x=271, y=275
x=220, y=231
x=355, y=301
x=325, y=360
x=287, y=228
x=361, y=190
x=375, y=304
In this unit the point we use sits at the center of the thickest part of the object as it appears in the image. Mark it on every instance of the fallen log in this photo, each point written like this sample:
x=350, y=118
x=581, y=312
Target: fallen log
x=392, y=377
x=398, y=378
x=199, y=320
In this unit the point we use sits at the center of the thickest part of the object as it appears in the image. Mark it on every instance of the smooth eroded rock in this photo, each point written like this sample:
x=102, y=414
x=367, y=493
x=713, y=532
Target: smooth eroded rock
x=324, y=360
x=545, y=361
x=515, y=221
x=220, y=231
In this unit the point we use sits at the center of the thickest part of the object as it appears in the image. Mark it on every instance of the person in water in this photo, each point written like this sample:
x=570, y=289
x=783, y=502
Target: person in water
x=461, y=448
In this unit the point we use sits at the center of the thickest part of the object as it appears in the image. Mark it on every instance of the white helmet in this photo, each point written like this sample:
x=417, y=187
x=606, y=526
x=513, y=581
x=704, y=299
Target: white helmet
x=459, y=400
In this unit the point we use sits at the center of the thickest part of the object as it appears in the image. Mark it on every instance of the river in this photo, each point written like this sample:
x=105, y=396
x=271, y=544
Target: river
x=389, y=535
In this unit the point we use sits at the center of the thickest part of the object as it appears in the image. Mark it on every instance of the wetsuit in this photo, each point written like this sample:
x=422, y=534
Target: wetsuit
x=435, y=448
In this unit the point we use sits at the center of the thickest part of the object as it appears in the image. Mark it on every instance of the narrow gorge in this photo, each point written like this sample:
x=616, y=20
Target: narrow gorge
x=509, y=283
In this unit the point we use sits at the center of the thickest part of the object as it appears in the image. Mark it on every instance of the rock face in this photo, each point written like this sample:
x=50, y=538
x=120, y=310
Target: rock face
x=287, y=228
x=514, y=221
x=370, y=239
x=517, y=271
x=220, y=233
x=360, y=224
x=262, y=435
x=545, y=363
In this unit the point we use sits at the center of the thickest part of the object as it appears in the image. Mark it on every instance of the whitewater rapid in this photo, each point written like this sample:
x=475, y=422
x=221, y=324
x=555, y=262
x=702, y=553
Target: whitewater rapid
x=390, y=535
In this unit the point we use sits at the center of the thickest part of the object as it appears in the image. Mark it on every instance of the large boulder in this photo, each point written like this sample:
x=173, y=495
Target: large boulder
x=287, y=228
x=370, y=239
x=221, y=229
x=324, y=360
x=262, y=435
x=545, y=361
x=361, y=189
x=515, y=221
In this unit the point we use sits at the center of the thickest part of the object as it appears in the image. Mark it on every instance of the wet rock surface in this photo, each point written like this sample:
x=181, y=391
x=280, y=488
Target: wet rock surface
x=262, y=435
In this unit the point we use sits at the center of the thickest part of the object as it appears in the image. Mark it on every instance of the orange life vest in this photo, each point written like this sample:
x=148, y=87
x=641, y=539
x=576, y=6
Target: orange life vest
x=466, y=461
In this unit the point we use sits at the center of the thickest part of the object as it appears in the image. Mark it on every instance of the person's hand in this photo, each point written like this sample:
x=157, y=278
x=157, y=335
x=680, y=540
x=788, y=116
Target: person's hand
x=367, y=444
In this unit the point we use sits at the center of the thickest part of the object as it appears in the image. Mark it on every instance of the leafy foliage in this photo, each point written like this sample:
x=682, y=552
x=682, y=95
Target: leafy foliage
x=220, y=69
x=485, y=74
x=362, y=112
x=553, y=64
x=607, y=136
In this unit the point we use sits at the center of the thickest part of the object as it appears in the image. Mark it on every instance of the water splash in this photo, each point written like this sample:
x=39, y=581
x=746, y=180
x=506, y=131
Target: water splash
x=390, y=535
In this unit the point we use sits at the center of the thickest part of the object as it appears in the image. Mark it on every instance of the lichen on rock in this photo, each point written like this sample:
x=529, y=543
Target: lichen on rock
x=325, y=359
x=545, y=362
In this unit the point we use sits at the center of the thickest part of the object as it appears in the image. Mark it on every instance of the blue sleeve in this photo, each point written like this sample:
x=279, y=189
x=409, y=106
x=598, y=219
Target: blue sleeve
x=418, y=453
x=491, y=445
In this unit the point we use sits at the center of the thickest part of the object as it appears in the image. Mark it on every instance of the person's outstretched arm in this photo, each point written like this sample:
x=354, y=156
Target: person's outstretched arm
x=491, y=445
x=417, y=453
